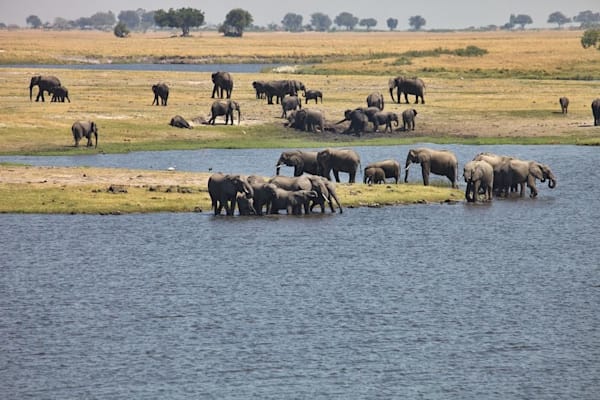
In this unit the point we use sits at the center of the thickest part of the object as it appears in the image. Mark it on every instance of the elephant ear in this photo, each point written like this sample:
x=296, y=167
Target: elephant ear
x=392, y=83
x=535, y=169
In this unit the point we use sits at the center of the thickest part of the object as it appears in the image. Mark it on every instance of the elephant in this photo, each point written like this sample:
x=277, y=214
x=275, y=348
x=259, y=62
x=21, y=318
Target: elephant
x=439, y=162
x=564, y=104
x=59, y=93
x=408, y=119
x=499, y=165
x=307, y=120
x=596, y=111
x=160, y=90
x=375, y=100
x=407, y=86
x=478, y=175
x=391, y=168
x=263, y=195
x=179, y=122
x=338, y=160
x=302, y=161
x=374, y=175
x=223, y=190
x=245, y=205
x=81, y=129
x=222, y=82
x=225, y=108
x=293, y=201
x=313, y=95
x=259, y=87
x=521, y=172
x=280, y=88
x=290, y=103
x=384, y=118
x=359, y=121
x=44, y=84
x=326, y=192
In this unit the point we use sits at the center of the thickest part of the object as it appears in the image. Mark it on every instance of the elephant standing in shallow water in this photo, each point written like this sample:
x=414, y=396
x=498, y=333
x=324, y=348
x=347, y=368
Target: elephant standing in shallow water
x=44, y=84
x=478, y=175
x=439, y=162
x=520, y=172
x=223, y=190
x=302, y=161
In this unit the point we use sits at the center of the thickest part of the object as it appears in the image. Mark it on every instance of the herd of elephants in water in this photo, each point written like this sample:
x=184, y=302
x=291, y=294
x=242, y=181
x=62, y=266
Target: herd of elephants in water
x=487, y=175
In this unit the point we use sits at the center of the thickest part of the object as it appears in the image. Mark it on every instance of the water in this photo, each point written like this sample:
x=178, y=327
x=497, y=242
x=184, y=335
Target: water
x=237, y=68
x=493, y=301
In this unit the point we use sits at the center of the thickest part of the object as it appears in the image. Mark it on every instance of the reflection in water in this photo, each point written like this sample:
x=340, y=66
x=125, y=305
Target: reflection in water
x=437, y=301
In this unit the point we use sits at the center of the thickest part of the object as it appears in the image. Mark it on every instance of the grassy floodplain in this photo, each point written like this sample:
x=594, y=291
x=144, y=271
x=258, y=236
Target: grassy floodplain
x=508, y=95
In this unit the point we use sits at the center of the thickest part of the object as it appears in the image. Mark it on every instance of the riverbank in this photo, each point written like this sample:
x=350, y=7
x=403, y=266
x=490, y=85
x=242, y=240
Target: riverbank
x=75, y=190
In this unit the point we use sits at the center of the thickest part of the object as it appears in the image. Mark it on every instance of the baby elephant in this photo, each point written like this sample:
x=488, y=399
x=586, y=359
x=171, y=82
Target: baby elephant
x=179, y=122
x=374, y=175
x=408, y=119
x=313, y=95
x=59, y=94
x=564, y=104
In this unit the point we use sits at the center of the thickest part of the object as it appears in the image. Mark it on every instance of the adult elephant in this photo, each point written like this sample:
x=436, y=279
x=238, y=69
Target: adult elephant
x=179, y=122
x=407, y=86
x=338, y=160
x=225, y=108
x=564, y=104
x=307, y=120
x=263, y=195
x=59, y=94
x=373, y=175
x=596, y=111
x=161, y=91
x=326, y=193
x=499, y=165
x=391, y=168
x=384, y=118
x=223, y=190
x=81, y=129
x=521, y=172
x=280, y=88
x=478, y=175
x=259, y=88
x=222, y=81
x=290, y=103
x=375, y=100
x=439, y=162
x=45, y=83
x=302, y=161
x=359, y=121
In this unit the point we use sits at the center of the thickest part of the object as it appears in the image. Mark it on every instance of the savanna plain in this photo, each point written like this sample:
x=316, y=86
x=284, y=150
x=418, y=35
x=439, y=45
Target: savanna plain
x=506, y=92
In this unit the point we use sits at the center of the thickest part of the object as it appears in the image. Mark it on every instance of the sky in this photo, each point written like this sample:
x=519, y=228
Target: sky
x=439, y=14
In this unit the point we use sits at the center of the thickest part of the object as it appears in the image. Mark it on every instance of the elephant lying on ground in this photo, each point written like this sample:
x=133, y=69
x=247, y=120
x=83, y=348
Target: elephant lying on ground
x=222, y=81
x=81, y=129
x=338, y=160
x=408, y=119
x=313, y=95
x=439, y=162
x=223, y=190
x=302, y=161
x=373, y=175
x=225, y=108
x=59, y=94
x=596, y=111
x=161, y=91
x=478, y=175
x=44, y=84
x=179, y=122
x=391, y=168
x=407, y=86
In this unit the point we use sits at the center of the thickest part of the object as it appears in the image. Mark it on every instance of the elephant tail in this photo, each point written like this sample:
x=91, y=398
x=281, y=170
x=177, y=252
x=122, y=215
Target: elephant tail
x=96, y=137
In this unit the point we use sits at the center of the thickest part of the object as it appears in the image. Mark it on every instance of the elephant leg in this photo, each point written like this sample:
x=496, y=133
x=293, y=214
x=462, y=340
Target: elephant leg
x=336, y=175
x=352, y=177
x=425, y=174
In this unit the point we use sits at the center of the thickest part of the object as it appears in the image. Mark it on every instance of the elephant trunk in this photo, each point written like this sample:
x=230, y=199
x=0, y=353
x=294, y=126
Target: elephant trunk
x=31, y=91
x=96, y=137
x=551, y=183
x=239, y=116
x=392, y=94
x=469, y=192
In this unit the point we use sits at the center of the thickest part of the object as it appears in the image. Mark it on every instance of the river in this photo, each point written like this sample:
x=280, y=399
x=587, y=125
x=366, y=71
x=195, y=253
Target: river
x=437, y=301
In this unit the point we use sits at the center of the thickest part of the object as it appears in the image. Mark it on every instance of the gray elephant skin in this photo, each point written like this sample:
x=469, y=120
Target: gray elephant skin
x=223, y=190
x=499, y=165
x=414, y=86
x=384, y=118
x=596, y=111
x=59, y=94
x=313, y=95
x=478, y=175
x=293, y=201
x=375, y=100
x=290, y=103
x=408, y=119
x=307, y=120
x=338, y=160
x=44, y=84
x=521, y=172
x=259, y=87
x=263, y=195
x=302, y=161
x=324, y=189
x=280, y=88
x=359, y=121
x=374, y=175
x=245, y=205
x=439, y=162
x=81, y=129
x=390, y=167
x=179, y=122
x=222, y=84
x=564, y=104
x=225, y=108
x=161, y=92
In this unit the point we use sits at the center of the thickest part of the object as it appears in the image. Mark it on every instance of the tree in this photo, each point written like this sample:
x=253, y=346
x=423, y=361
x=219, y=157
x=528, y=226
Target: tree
x=34, y=21
x=346, y=19
x=103, y=20
x=129, y=18
x=146, y=19
x=591, y=38
x=392, y=23
x=521, y=19
x=558, y=18
x=320, y=22
x=587, y=18
x=183, y=18
x=416, y=22
x=292, y=22
x=236, y=21
x=121, y=30
x=368, y=22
